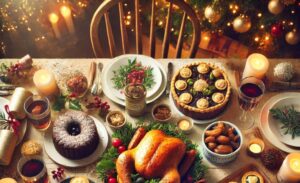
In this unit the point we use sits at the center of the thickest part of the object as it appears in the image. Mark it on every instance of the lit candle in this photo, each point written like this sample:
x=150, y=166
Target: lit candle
x=290, y=169
x=256, y=147
x=257, y=65
x=45, y=82
x=67, y=14
x=53, y=18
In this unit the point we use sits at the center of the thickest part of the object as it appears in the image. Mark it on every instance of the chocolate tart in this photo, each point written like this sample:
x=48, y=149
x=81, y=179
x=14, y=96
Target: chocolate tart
x=210, y=76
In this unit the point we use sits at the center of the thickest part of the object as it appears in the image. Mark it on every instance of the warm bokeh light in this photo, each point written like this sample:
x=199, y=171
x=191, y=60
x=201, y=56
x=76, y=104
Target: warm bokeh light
x=65, y=11
x=53, y=18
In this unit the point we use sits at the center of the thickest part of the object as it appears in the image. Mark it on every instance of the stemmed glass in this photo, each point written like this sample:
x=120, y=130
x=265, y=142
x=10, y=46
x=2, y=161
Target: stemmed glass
x=250, y=93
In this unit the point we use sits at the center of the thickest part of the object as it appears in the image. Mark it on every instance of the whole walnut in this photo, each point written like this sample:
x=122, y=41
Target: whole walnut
x=272, y=159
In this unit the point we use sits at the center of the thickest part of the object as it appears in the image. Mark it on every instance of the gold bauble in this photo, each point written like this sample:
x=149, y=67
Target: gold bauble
x=241, y=24
x=211, y=14
x=292, y=38
x=275, y=6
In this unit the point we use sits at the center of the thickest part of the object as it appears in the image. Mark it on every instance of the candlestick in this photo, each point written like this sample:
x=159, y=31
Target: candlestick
x=53, y=18
x=67, y=14
x=45, y=82
x=290, y=169
x=256, y=65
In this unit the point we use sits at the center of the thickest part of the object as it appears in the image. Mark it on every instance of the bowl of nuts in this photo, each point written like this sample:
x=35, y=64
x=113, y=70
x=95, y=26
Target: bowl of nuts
x=115, y=119
x=221, y=141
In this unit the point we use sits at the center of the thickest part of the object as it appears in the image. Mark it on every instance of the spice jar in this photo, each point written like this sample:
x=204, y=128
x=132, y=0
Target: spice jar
x=135, y=102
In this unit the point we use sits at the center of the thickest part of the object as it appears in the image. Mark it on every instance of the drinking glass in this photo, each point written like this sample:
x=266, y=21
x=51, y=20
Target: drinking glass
x=32, y=170
x=38, y=111
x=250, y=93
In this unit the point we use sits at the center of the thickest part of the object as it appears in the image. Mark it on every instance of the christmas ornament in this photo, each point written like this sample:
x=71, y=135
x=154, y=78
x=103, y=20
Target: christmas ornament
x=292, y=38
x=277, y=30
x=211, y=14
x=284, y=71
x=275, y=7
x=241, y=24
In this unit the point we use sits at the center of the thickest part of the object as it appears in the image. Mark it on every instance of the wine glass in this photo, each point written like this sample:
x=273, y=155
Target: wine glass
x=250, y=93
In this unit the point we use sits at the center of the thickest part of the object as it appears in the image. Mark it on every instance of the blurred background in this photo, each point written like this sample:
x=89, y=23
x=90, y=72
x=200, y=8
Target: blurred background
x=230, y=28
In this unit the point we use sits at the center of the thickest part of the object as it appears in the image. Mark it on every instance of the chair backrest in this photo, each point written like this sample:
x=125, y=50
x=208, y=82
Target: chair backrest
x=103, y=11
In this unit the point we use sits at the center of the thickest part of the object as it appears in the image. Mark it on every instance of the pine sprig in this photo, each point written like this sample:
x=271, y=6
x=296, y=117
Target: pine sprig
x=290, y=118
x=126, y=133
x=107, y=164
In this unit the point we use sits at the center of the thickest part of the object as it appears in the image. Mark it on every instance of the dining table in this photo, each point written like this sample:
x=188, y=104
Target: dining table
x=233, y=68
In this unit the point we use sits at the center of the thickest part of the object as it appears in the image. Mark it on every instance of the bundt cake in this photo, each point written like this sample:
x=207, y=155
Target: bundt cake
x=75, y=135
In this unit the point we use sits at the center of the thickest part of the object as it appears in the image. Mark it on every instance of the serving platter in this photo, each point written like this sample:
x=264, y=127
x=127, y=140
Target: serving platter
x=59, y=159
x=120, y=61
x=23, y=127
x=263, y=122
x=151, y=99
x=275, y=125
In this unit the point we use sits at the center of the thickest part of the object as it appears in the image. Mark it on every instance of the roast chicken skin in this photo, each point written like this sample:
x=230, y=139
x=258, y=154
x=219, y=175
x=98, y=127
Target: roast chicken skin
x=155, y=156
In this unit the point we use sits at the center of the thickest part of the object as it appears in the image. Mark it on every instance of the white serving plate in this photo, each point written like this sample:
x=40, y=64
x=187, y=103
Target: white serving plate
x=23, y=127
x=275, y=125
x=263, y=122
x=119, y=101
x=58, y=158
x=119, y=61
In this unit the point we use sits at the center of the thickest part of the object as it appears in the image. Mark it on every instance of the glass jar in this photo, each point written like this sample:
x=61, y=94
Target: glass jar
x=135, y=101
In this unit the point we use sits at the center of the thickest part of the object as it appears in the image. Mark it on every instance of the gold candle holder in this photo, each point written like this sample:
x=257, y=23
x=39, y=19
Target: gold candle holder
x=255, y=147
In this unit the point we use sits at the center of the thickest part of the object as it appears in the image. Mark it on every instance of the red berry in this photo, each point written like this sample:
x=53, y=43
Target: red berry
x=190, y=179
x=121, y=149
x=116, y=143
x=112, y=180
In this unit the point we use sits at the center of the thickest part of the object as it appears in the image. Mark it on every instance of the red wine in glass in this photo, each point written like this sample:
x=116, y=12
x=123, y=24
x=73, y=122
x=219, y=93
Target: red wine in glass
x=33, y=171
x=249, y=94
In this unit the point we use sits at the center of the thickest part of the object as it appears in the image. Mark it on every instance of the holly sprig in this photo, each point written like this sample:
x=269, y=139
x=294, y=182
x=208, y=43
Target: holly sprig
x=106, y=167
x=60, y=101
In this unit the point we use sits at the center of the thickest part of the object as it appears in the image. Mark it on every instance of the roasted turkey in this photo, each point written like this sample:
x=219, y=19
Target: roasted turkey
x=153, y=154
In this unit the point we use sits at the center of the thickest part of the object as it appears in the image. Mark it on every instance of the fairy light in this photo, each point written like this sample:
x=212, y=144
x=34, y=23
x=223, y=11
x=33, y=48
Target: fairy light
x=256, y=39
x=291, y=23
x=259, y=15
x=228, y=24
x=234, y=8
x=267, y=38
x=262, y=26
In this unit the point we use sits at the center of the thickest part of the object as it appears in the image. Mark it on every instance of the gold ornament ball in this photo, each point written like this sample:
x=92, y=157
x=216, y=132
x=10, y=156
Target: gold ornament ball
x=211, y=14
x=241, y=24
x=292, y=38
x=275, y=6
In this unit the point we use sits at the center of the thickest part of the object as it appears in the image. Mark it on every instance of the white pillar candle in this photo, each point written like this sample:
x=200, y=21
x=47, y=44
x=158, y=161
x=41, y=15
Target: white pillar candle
x=256, y=65
x=289, y=171
x=53, y=18
x=45, y=82
x=67, y=14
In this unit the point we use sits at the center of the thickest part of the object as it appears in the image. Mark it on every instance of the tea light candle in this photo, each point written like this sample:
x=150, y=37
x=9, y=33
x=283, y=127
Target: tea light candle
x=255, y=147
x=185, y=125
x=53, y=18
x=45, y=82
x=256, y=65
x=289, y=171
x=67, y=14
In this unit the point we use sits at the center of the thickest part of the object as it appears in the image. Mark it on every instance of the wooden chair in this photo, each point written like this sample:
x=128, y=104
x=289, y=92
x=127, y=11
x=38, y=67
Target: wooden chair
x=104, y=9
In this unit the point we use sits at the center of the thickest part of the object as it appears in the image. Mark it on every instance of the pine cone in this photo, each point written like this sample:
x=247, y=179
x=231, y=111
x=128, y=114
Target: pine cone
x=272, y=159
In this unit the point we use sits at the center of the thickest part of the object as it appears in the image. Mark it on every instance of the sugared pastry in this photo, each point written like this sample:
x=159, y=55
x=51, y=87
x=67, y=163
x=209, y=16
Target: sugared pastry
x=252, y=177
x=180, y=85
x=202, y=103
x=185, y=98
x=203, y=68
x=200, y=85
x=216, y=73
x=8, y=180
x=221, y=84
x=31, y=148
x=185, y=72
x=79, y=179
x=218, y=97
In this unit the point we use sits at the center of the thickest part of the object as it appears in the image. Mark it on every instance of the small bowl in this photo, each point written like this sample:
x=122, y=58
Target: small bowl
x=112, y=113
x=191, y=122
x=221, y=158
x=161, y=120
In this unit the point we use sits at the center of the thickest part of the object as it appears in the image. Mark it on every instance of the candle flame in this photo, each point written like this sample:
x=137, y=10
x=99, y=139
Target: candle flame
x=295, y=165
x=53, y=17
x=65, y=11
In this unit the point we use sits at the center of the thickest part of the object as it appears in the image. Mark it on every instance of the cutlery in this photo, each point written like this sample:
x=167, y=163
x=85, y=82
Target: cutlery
x=97, y=86
x=92, y=73
x=169, y=77
x=7, y=87
x=4, y=93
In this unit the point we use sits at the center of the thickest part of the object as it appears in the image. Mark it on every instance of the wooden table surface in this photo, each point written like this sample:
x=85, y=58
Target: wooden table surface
x=215, y=172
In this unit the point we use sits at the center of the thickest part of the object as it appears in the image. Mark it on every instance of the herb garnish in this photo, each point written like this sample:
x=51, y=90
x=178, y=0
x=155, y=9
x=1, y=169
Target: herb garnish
x=290, y=118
